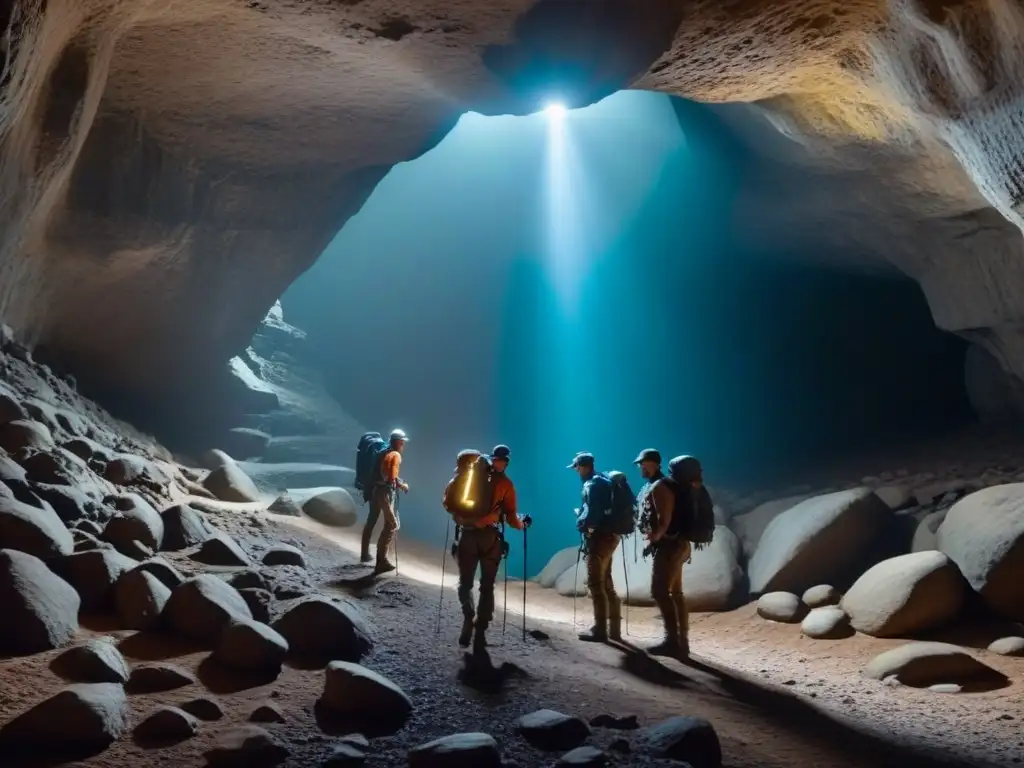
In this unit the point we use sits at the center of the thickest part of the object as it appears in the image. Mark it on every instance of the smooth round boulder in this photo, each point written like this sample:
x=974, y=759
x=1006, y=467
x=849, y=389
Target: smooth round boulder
x=820, y=596
x=97, y=661
x=33, y=530
x=826, y=623
x=140, y=598
x=184, y=527
x=356, y=692
x=229, y=483
x=39, y=608
x=552, y=731
x=321, y=628
x=925, y=664
x=284, y=554
x=691, y=740
x=906, y=595
x=201, y=608
x=166, y=726
x=1008, y=646
x=136, y=521
x=783, y=607
x=80, y=717
x=460, y=750
x=335, y=508
x=250, y=646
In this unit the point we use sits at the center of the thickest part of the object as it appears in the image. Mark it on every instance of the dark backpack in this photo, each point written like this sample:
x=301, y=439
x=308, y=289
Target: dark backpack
x=369, y=452
x=469, y=494
x=693, y=517
x=621, y=517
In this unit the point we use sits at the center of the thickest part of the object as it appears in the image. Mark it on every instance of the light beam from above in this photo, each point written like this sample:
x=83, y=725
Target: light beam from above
x=555, y=110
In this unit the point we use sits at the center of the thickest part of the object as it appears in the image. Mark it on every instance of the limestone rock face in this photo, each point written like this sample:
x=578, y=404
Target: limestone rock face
x=176, y=195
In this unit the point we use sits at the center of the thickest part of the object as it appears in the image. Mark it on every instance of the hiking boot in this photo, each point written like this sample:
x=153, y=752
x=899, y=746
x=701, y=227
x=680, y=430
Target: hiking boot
x=467, y=632
x=480, y=638
x=595, y=634
x=385, y=565
x=366, y=557
x=668, y=648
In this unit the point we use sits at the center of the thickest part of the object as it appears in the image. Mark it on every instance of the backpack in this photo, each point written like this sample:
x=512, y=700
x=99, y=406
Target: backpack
x=369, y=452
x=693, y=517
x=469, y=492
x=621, y=517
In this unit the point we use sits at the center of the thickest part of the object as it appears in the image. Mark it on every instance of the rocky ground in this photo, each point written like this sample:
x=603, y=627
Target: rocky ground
x=155, y=614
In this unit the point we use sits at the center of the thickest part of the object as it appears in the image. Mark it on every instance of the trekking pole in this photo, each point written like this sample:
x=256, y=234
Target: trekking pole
x=524, y=582
x=399, y=523
x=575, y=581
x=444, y=554
x=504, y=601
x=625, y=573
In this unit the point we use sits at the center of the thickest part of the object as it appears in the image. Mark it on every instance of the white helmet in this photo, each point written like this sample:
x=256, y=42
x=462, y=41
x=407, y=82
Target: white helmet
x=399, y=434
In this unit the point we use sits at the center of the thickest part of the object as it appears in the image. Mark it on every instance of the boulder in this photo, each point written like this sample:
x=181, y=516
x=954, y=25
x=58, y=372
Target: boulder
x=136, y=521
x=560, y=562
x=750, y=527
x=460, y=750
x=245, y=443
x=713, y=575
x=93, y=574
x=247, y=746
x=97, y=661
x=140, y=598
x=229, y=483
x=169, y=575
x=201, y=608
x=39, y=609
x=688, y=739
x=983, y=534
x=221, y=549
x=583, y=756
x=323, y=628
x=184, y=527
x=35, y=531
x=574, y=581
x=259, y=601
x=134, y=470
x=334, y=507
x=895, y=496
x=71, y=503
x=925, y=664
x=249, y=646
x=158, y=678
x=821, y=595
x=552, y=731
x=267, y=712
x=21, y=433
x=826, y=623
x=57, y=467
x=284, y=504
x=284, y=554
x=80, y=717
x=817, y=541
x=166, y=726
x=10, y=407
x=1008, y=646
x=783, y=607
x=344, y=755
x=204, y=709
x=906, y=595
x=356, y=692
x=926, y=534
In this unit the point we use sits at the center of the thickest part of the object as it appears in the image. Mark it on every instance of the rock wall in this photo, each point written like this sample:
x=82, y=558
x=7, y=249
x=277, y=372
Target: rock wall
x=168, y=169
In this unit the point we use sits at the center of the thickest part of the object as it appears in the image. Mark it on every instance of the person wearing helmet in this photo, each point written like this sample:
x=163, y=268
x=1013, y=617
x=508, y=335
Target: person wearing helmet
x=382, y=502
x=657, y=502
x=481, y=545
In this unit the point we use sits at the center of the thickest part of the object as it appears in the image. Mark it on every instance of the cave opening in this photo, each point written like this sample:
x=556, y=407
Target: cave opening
x=570, y=281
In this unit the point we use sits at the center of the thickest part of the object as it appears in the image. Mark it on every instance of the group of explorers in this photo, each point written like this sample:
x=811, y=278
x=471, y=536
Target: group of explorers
x=673, y=512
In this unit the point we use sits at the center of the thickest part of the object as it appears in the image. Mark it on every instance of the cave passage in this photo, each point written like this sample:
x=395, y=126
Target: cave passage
x=565, y=282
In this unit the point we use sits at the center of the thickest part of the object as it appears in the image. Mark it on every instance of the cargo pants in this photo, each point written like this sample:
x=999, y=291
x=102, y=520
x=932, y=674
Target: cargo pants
x=478, y=547
x=382, y=504
x=600, y=555
x=667, y=587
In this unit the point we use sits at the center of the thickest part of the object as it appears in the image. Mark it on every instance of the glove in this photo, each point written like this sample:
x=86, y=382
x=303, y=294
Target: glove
x=527, y=521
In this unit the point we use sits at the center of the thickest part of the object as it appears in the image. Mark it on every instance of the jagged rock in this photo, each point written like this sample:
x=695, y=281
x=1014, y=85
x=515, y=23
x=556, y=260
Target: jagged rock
x=39, y=609
x=584, y=756
x=285, y=505
x=460, y=750
x=321, y=628
x=895, y=496
x=35, y=531
x=828, y=622
x=984, y=535
x=923, y=664
x=356, y=692
x=284, y=554
x=88, y=526
x=140, y=598
x=926, y=535
x=157, y=678
x=343, y=755
x=1008, y=646
x=137, y=521
x=335, y=507
x=168, y=575
x=221, y=549
x=689, y=739
x=93, y=575
x=201, y=607
x=10, y=469
x=84, y=717
x=229, y=483
x=253, y=647
x=267, y=712
x=86, y=542
x=781, y=606
x=250, y=578
x=627, y=723
x=247, y=746
x=906, y=595
x=166, y=726
x=821, y=595
x=135, y=550
x=552, y=731
x=97, y=661
x=816, y=541
x=184, y=527
x=259, y=601
x=19, y=434
x=559, y=563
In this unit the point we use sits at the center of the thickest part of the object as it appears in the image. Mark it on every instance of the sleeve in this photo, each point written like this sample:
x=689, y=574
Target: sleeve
x=598, y=502
x=391, y=463
x=583, y=519
x=509, y=505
